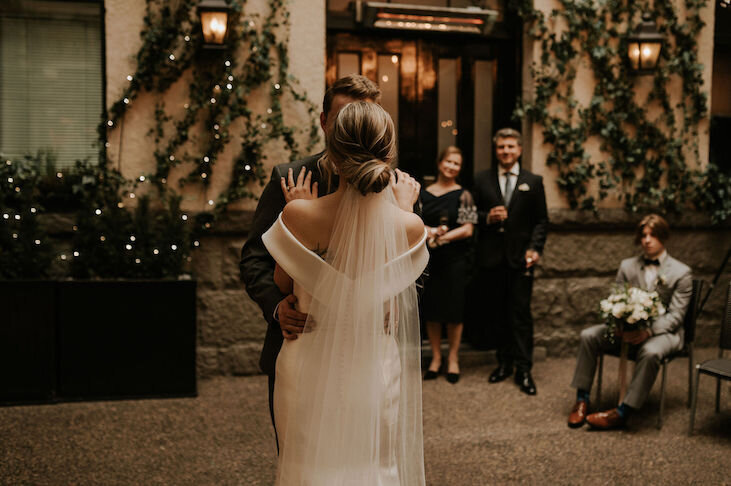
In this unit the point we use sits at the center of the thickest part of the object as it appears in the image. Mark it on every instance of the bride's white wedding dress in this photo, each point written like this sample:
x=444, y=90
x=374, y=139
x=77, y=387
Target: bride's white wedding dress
x=347, y=396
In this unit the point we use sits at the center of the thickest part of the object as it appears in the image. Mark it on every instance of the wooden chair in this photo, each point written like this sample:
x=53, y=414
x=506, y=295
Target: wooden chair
x=719, y=367
x=686, y=351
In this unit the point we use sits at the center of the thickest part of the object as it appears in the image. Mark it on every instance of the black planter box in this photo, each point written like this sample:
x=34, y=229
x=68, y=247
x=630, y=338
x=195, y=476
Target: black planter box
x=126, y=339
x=27, y=341
x=91, y=340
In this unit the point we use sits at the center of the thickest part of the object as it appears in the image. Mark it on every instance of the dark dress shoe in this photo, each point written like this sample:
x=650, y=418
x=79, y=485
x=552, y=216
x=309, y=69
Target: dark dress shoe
x=525, y=382
x=500, y=373
x=611, y=419
x=453, y=377
x=431, y=375
x=577, y=417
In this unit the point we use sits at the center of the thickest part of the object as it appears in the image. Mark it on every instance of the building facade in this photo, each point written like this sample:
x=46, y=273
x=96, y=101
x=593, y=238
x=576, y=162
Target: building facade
x=452, y=72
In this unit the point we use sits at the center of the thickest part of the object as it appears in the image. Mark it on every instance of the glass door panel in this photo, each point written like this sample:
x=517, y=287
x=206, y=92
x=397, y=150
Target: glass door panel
x=448, y=79
x=389, y=82
x=348, y=63
x=484, y=78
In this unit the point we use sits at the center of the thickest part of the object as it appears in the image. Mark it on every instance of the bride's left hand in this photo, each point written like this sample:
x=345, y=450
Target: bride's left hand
x=300, y=190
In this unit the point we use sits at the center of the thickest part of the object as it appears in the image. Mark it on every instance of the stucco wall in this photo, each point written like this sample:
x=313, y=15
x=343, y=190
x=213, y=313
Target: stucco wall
x=581, y=255
x=130, y=146
x=584, y=85
x=230, y=326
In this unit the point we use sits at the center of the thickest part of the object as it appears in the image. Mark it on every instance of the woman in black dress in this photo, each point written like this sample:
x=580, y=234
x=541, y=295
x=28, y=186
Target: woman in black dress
x=449, y=214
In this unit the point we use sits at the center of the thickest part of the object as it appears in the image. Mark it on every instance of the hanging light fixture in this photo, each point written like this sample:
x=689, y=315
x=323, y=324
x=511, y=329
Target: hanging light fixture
x=644, y=45
x=400, y=16
x=214, y=22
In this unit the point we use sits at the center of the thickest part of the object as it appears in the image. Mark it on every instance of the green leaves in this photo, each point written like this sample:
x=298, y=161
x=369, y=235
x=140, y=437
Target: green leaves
x=644, y=160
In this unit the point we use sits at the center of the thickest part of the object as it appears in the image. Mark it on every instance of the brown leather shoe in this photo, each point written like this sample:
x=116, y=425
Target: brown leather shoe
x=577, y=417
x=606, y=420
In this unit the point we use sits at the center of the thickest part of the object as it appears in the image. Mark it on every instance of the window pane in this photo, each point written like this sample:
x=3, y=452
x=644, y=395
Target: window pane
x=51, y=81
x=388, y=81
x=483, y=114
x=447, y=111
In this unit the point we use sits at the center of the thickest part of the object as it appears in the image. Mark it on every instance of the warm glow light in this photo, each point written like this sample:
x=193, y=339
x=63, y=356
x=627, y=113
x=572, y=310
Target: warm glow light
x=214, y=27
x=394, y=59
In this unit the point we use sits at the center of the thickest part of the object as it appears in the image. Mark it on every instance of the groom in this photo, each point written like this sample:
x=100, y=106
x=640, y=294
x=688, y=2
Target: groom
x=256, y=265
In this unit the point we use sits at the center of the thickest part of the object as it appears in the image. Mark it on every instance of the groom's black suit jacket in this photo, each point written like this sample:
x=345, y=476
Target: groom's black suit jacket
x=525, y=227
x=257, y=266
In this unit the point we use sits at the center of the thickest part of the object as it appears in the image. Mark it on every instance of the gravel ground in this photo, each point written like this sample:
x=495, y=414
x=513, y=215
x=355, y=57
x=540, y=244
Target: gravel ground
x=475, y=433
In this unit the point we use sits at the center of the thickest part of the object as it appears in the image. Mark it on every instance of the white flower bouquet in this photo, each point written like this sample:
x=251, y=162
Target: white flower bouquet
x=630, y=308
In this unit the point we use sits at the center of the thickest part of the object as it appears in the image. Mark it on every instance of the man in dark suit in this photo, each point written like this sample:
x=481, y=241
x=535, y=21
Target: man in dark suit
x=306, y=178
x=512, y=225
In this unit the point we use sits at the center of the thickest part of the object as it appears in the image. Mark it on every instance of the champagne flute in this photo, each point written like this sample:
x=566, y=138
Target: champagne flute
x=501, y=228
x=444, y=222
x=528, y=270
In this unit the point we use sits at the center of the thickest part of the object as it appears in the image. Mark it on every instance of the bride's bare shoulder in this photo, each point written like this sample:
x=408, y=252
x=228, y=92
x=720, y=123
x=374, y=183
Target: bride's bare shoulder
x=303, y=218
x=414, y=227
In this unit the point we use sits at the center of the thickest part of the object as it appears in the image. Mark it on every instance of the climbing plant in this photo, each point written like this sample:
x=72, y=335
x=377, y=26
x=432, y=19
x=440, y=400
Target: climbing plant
x=108, y=239
x=254, y=59
x=647, y=160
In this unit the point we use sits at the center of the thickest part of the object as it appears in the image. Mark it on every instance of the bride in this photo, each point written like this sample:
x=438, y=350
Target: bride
x=347, y=396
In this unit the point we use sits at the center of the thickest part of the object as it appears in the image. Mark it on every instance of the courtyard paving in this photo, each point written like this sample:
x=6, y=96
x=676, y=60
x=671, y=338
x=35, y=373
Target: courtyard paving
x=475, y=433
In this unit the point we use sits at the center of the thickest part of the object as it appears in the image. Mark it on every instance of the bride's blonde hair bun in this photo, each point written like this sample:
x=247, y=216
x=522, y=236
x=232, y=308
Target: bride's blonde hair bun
x=363, y=146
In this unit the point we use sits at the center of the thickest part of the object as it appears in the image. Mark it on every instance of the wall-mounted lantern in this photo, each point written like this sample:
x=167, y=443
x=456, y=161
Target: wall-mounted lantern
x=644, y=45
x=214, y=22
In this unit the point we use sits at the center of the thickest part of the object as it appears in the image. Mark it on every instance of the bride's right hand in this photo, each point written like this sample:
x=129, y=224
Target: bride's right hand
x=291, y=321
x=299, y=190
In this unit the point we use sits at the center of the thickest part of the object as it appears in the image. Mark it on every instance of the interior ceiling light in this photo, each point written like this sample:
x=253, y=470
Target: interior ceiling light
x=381, y=15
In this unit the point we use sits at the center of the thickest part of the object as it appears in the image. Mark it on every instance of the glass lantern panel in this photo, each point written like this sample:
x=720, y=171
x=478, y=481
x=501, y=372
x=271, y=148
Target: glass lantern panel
x=633, y=52
x=214, y=26
x=649, y=53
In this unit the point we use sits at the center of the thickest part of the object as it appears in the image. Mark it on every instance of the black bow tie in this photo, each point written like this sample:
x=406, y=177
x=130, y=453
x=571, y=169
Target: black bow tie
x=652, y=262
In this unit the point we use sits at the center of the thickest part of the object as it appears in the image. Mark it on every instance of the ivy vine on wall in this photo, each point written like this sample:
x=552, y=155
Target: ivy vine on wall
x=219, y=92
x=647, y=161
x=105, y=239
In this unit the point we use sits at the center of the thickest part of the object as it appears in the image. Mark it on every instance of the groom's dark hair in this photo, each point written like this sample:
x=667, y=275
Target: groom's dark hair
x=659, y=228
x=353, y=85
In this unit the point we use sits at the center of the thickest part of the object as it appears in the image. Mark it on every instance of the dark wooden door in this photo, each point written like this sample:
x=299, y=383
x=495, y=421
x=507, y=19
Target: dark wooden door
x=439, y=92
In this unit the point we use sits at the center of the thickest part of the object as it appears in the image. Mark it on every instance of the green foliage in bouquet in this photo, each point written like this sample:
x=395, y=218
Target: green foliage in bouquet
x=25, y=248
x=629, y=308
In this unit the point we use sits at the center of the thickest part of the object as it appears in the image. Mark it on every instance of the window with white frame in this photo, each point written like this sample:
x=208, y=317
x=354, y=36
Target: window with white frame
x=51, y=80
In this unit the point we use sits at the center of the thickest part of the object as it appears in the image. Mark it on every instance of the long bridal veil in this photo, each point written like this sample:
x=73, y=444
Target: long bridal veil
x=359, y=384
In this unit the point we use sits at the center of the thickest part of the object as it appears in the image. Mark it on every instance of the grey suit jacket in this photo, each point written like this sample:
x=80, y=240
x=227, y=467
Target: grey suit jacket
x=674, y=284
x=257, y=266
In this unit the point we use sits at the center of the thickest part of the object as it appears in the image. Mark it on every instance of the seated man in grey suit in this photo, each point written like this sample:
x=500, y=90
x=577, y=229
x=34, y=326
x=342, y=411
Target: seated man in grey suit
x=653, y=270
